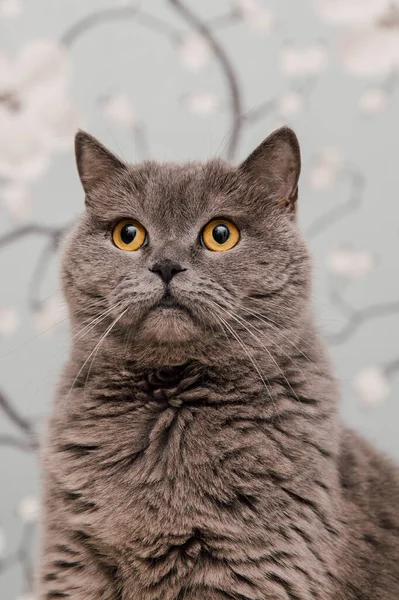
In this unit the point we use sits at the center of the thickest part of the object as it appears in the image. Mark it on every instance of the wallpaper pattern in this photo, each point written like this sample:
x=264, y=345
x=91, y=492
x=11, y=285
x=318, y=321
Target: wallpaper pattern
x=187, y=79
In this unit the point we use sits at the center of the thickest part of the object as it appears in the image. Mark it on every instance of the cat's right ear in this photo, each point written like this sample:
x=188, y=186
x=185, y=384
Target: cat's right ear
x=96, y=165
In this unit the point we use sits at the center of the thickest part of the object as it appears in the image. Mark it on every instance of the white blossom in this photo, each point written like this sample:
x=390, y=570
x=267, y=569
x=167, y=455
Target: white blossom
x=10, y=8
x=17, y=199
x=370, y=51
x=309, y=61
x=351, y=12
x=28, y=509
x=290, y=103
x=119, y=109
x=255, y=15
x=372, y=385
x=326, y=169
x=9, y=320
x=194, y=52
x=350, y=263
x=373, y=101
x=202, y=103
x=37, y=117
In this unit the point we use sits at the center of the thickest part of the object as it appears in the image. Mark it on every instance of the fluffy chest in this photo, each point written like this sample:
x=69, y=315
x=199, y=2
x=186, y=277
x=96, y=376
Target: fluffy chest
x=168, y=452
x=176, y=481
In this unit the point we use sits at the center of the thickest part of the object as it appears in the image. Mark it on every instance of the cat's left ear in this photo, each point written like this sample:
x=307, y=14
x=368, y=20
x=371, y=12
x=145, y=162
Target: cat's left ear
x=276, y=164
x=96, y=164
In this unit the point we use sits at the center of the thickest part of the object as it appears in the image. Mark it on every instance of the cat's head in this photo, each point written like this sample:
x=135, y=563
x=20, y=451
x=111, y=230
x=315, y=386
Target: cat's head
x=183, y=257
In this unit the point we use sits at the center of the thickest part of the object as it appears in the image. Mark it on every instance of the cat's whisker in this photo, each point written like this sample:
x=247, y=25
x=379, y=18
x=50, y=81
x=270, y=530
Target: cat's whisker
x=248, y=354
x=268, y=339
x=64, y=354
x=244, y=323
x=268, y=321
x=38, y=335
x=94, y=322
x=114, y=322
x=274, y=326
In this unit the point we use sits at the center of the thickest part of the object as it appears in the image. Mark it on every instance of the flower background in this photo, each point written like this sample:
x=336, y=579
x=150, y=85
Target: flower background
x=187, y=79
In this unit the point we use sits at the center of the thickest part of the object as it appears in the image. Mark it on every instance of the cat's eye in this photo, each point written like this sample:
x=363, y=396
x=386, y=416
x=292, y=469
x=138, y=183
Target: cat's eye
x=129, y=235
x=220, y=235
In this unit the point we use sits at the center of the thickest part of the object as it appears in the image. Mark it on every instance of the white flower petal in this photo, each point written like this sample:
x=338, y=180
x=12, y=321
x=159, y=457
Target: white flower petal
x=321, y=177
x=9, y=320
x=22, y=152
x=194, y=52
x=255, y=14
x=28, y=509
x=351, y=11
x=372, y=385
x=17, y=199
x=373, y=101
x=202, y=103
x=43, y=62
x=350, y=263
x=290, y=103
x=119, y=109
x=7, y=76
x=303, y=61
x=326, y=169
x=370, y=51
x=59, y=122
x=10, y=8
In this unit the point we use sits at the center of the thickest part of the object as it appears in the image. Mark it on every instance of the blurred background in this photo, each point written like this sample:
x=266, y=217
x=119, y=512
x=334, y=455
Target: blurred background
x=190, y=79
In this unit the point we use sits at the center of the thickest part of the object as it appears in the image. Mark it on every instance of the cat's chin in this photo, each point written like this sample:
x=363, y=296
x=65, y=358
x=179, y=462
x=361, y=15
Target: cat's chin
x=169, y=326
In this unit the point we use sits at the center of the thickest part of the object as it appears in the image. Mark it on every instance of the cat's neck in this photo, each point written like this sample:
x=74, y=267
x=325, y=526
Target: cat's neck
x=298, y=370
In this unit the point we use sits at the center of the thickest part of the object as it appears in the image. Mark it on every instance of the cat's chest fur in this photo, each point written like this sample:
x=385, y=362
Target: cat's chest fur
x=170, y=472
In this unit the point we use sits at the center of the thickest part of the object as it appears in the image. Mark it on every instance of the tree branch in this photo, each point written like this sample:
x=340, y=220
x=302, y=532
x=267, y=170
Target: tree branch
x=110, y=14
x=360, y=317
x=337, y=213
x=21, y=422
x=231, y=79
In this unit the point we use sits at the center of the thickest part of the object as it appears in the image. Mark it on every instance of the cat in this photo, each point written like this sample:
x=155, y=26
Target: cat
x=195, y=451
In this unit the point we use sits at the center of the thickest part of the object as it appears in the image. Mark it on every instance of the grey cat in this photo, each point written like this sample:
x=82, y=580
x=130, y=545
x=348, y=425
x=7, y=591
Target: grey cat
x=195, y=451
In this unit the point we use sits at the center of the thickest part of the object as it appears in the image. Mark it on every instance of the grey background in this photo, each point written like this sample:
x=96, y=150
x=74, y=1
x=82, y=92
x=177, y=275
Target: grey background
x=139, y=50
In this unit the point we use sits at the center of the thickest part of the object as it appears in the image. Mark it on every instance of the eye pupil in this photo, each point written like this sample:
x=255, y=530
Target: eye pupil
x=220, y=234
x=128, y=233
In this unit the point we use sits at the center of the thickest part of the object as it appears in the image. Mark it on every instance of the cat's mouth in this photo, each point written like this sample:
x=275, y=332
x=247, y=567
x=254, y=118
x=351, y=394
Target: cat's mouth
x=169, y=302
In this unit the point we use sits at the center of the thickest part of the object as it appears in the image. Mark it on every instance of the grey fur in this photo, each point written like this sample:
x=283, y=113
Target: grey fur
x=196, y=452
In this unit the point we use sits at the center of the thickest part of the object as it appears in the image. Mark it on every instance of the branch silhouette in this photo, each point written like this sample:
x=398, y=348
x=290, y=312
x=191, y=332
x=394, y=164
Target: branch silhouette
x=205, y=31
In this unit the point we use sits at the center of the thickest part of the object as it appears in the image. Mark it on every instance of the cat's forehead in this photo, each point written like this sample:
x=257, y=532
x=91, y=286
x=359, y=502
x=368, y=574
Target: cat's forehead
x=178, y=194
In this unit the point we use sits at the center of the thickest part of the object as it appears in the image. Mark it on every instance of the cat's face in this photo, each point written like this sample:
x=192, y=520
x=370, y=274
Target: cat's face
x=182, y=255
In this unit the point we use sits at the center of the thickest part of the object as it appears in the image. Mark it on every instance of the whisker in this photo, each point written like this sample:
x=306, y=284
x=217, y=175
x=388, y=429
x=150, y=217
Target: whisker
x=279, y=347
x=93, y=323
x=243, y=323
x=95, y=350
x=253, y=361
x=274, y=326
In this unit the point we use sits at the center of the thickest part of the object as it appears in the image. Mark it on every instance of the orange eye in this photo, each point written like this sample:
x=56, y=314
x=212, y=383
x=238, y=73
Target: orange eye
x=129, y=235
x=220, y=235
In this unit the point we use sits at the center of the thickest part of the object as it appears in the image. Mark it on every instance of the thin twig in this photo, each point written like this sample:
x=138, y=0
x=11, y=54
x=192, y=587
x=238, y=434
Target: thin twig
x=124, y=12
x=337, y=213
x=360, y=317
x=231, y=79
x=55, y=233
x=21, y=422
x=392, y=368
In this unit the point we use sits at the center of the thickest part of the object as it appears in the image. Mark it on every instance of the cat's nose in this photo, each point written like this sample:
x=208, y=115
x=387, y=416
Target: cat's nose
x=166, y=270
